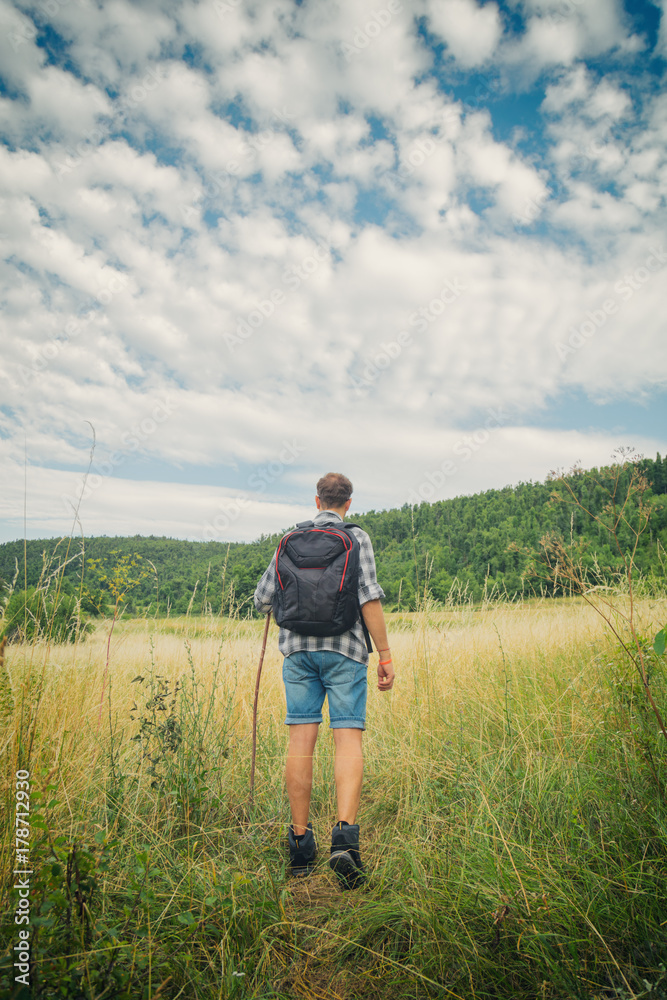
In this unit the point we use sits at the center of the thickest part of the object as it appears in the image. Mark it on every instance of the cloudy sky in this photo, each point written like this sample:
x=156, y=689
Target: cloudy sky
x=247, y=242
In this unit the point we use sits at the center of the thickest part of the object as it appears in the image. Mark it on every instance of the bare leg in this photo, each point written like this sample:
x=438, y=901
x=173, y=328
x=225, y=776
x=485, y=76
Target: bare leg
x=299, y=772
x=348, y=772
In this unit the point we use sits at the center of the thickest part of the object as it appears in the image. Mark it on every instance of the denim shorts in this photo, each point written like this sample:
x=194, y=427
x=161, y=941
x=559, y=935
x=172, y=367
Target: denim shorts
x=309, y=676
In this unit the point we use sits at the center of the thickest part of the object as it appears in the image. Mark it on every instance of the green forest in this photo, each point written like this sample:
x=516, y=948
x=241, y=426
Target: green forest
x=488, y=543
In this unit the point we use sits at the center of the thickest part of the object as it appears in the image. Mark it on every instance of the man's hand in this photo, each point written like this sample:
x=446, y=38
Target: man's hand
x=385, y=676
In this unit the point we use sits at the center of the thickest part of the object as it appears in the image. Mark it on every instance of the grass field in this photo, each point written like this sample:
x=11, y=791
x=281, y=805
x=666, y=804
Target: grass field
x=513, y=816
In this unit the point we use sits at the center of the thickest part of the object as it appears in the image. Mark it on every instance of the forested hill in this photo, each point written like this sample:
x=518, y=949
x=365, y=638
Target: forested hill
x=482, y=540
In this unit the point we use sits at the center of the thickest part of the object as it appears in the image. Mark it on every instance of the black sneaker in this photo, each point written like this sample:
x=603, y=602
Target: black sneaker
x=345, y=860
x=302, y=852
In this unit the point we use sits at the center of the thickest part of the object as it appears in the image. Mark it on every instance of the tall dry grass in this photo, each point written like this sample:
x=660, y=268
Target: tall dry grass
x=513, y=815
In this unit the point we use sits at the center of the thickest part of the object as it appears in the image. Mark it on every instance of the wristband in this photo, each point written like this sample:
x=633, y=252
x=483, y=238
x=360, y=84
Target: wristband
x=383, y=663
x=384, y=650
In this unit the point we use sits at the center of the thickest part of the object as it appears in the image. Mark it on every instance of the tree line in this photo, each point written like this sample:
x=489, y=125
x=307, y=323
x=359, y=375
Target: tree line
x=484, y=543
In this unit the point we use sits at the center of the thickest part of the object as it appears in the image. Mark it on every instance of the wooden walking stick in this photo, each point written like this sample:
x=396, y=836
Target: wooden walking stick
x=254, y=712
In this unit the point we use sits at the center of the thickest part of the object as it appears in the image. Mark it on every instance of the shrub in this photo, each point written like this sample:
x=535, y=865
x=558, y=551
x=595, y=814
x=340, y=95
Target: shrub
x=32, y=614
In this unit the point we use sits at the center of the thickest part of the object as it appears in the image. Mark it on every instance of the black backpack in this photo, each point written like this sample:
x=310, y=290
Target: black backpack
x=317, y=576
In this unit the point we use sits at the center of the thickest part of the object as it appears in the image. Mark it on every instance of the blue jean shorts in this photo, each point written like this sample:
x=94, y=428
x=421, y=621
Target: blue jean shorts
x=309, y=676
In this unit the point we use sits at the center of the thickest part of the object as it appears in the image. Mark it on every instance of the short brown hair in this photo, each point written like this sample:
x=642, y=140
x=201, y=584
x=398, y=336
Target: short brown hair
x=334, y=489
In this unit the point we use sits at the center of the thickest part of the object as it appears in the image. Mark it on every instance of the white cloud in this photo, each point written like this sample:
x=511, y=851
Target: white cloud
x=487, y=455
x=110, y=40
x=21, y=57
x=558, y=34
x=59, y=99
x=116, y=506
x=471, y=32
x=577, y=88
x=597, y=142
x=248, y=234
x=494, y=165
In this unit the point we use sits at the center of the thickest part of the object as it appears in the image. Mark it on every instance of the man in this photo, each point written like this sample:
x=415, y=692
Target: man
x=335, y=666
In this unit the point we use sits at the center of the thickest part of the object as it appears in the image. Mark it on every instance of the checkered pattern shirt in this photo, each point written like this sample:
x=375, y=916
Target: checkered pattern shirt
x=351, y=643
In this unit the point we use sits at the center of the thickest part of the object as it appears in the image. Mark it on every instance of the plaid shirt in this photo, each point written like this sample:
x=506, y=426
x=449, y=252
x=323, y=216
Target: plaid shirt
x=351, y=643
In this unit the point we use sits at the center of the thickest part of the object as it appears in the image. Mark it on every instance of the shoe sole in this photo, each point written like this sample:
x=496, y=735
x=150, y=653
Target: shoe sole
x=343, y=866
x=302, y=870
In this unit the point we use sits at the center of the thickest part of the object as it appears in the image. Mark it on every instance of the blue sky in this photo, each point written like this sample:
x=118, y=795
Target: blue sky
x=248, y=243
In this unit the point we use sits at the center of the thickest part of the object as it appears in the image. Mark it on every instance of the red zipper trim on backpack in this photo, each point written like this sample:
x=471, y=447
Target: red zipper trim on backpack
x=348, y=548
x=277, y=554
x=344, y=570
x=346, y=542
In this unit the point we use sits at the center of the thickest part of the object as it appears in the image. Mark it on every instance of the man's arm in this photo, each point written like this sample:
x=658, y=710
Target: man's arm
x=369, y=596
x=376, y=625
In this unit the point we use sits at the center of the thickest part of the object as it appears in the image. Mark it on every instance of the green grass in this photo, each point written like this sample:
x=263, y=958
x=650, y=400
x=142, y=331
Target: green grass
x=513, y=820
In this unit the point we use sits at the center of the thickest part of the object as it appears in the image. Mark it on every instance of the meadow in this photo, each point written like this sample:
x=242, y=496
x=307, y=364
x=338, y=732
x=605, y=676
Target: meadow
x=513, y=817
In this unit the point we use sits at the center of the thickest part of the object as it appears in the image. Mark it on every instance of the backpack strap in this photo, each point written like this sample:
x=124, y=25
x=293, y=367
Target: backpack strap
x=369, y=644
x=367, y=637
x=305, y=524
